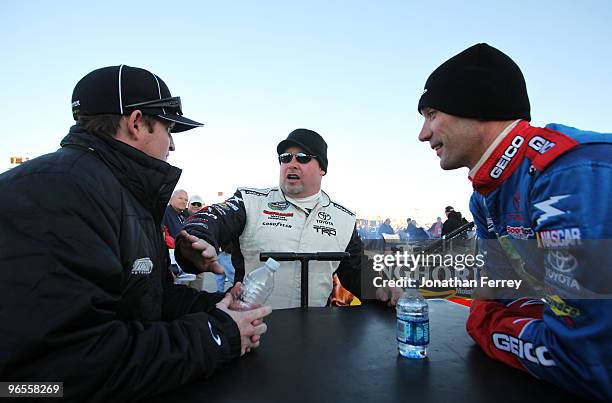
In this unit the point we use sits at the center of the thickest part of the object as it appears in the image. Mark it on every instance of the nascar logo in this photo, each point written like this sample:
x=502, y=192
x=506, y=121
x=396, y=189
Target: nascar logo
x=559, y=238
x=279, y=205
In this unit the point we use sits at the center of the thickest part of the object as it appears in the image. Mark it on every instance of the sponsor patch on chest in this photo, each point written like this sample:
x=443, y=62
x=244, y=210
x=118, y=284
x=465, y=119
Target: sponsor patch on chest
x=324, y=218
x=275, y=215
x=329, y=231
x=559, y=238
x=280, y=205
x=520, y=232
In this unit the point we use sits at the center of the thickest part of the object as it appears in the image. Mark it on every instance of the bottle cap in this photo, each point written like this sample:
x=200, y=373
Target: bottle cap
x=272, y=264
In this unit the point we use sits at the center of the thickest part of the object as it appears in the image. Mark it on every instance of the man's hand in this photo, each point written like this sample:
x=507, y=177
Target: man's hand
x=200, y=253
x=235, y=305
x=250, y=323
x=390, y=295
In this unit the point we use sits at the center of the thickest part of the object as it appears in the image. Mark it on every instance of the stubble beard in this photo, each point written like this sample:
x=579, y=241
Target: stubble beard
x=291, y=189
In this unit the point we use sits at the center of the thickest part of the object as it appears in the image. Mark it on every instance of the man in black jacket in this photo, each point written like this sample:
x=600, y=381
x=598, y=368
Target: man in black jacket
x=86, y=296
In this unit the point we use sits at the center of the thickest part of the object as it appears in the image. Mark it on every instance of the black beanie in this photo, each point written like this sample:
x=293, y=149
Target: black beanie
x=310, y=141
x=480, y=83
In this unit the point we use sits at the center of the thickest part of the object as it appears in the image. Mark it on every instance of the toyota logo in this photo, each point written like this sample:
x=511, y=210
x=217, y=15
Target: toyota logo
x=561, y=261
x=324, y=216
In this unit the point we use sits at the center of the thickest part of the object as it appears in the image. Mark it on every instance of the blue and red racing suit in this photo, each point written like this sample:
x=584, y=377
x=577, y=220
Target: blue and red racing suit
x=545, y=194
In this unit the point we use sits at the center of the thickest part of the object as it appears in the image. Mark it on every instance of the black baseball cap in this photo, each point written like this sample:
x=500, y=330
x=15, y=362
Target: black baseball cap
x=119, y=90
x=310, y=141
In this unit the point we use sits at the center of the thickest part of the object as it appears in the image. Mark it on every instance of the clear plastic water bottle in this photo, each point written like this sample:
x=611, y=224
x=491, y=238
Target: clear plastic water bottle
x=257, y=286
x=412, y=324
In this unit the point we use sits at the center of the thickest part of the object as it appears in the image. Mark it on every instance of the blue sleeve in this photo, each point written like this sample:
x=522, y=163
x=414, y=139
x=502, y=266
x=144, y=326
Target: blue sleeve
x=479, y=212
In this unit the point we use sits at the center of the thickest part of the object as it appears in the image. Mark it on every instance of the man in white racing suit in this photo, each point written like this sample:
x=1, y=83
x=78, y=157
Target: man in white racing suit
x=297, y=216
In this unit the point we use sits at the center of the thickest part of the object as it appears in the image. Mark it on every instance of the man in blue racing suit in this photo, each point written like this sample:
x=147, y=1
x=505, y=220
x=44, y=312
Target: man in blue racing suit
x=541, y=208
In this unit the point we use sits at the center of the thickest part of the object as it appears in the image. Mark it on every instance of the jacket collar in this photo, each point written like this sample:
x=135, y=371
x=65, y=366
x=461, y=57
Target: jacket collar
x=150, y=180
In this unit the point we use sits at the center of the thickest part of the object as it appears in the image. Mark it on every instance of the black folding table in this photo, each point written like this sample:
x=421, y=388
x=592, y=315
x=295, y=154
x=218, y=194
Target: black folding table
x=349, y=354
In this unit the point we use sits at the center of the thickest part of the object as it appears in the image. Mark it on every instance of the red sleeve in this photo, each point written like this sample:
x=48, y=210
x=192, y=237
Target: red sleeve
x=496, y=326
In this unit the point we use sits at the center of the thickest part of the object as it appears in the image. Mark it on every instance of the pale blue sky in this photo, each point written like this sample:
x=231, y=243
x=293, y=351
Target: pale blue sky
x=252, y=71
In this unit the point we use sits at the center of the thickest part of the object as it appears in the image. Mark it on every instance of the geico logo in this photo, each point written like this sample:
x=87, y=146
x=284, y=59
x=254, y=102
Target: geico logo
x=505, y=159
x=522, y=349
x=540, y=144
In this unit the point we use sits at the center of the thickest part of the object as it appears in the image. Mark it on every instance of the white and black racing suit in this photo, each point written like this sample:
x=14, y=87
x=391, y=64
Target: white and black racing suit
x=263, y=220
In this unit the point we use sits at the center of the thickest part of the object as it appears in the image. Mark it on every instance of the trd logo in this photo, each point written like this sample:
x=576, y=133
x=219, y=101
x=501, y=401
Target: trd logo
x=505, y=159
x=325, y=230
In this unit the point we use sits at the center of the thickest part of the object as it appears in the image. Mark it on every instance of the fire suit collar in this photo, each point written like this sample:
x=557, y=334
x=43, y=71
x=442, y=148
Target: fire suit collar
x=500, y=137
x=502, y=158
x=540, y=147
x=306, y=203
x=324, y=199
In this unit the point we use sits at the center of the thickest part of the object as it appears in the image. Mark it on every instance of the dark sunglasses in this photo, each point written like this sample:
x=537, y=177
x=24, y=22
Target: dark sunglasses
x=302, y=158
x=171, y=103
x=197, y=204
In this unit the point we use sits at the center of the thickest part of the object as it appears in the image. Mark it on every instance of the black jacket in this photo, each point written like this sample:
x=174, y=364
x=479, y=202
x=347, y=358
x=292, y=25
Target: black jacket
x=454, y=221
x=86, y=296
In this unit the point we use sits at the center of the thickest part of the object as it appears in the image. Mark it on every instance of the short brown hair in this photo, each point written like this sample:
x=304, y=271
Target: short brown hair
x=108, y=125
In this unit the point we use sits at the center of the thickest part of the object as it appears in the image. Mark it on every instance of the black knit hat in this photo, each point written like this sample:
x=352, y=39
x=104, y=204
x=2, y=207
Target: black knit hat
x=310, y=141
x=119, y=90
x=481, y=83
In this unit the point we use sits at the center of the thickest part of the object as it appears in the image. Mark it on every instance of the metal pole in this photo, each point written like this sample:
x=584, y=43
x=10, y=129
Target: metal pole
x=304, y=259
x=304, y=283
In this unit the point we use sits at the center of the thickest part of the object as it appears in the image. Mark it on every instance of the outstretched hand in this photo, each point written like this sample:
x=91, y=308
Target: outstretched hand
x=200, y=253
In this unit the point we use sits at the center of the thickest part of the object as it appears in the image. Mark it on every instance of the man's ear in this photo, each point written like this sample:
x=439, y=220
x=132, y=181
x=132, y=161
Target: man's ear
x=135, y=125
x=322, y=172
